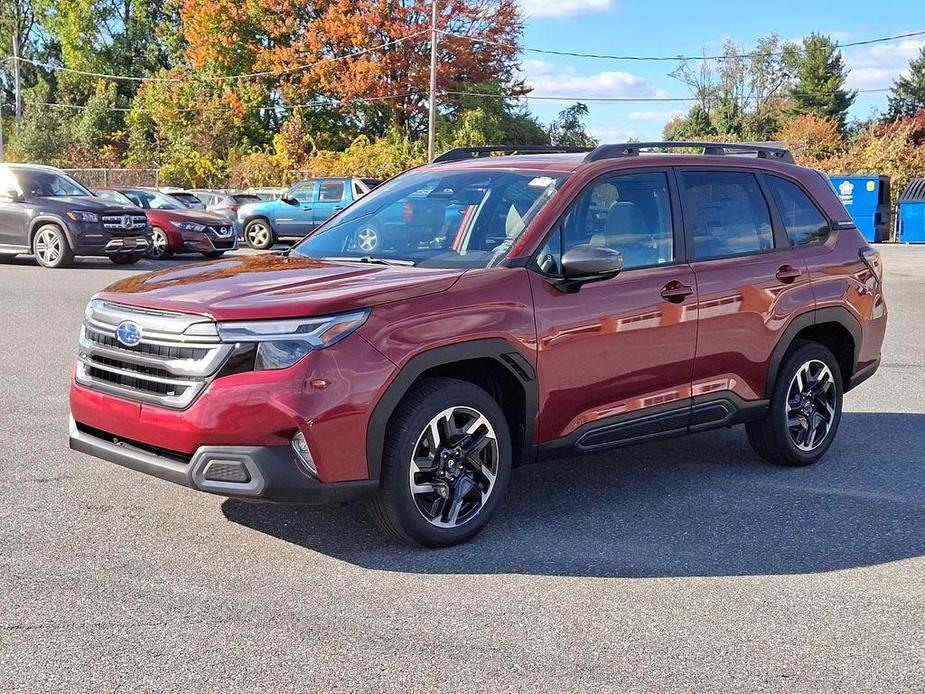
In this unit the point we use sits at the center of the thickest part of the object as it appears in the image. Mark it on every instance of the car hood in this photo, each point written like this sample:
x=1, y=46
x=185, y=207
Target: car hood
x=275, y=286
x=188, y=215
x=81, y=202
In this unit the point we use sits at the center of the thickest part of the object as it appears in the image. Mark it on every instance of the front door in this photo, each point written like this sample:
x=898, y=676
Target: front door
x=749, y=280
x=615, y=358
x=294, y=214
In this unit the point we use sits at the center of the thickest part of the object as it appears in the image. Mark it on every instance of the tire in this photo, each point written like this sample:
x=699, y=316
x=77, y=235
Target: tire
x=212, y=254
x=125, y=258
x=258, y=234
x=50, y=247
x=368, y=238
x=461, y=478
x=801, y=422
x=159, y=248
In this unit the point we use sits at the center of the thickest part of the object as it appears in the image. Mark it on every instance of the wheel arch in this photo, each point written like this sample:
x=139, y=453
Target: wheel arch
x=41, y=220
x=834, y=327
x=493, y=364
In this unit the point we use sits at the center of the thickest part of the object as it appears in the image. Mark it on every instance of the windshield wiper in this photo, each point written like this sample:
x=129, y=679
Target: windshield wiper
x=370, y=259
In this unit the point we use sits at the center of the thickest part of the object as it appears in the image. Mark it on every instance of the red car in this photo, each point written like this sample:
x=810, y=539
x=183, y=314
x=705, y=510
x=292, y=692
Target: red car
x=562, y=304
x=175, y=227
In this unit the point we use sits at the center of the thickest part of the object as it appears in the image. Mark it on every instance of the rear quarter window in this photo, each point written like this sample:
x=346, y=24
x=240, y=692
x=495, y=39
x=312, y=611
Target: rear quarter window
x=804, y=222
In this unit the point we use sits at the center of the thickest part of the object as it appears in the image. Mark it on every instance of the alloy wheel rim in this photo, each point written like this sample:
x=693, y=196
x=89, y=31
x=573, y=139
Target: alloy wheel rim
x=453, y=467
x=48, y=247
x=259, y=235
x=811, y=401
x=367, y=239
x=158, y=244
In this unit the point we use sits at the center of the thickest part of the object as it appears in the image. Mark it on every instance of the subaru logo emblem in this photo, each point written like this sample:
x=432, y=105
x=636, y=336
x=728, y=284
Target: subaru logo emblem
x=129, y=333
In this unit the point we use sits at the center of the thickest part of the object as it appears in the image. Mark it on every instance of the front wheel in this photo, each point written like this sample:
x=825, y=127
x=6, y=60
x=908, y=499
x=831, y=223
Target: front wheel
x=159, y=248
x=212, y=254
x=368, y=237
x=804, y=411
x=51, y=248
x=258, y=234
x=125, y=258
x=446, y=464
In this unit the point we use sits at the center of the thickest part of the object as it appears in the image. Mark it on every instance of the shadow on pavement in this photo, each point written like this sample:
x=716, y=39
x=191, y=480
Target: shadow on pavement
x=704, y=505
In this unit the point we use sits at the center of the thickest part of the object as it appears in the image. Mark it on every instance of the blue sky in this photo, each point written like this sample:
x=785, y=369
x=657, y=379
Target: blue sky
x=650, y=27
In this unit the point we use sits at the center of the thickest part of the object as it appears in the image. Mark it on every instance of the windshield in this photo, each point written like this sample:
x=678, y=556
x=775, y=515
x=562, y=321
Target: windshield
x=153, y=200
x=49, y=184
x=114, y=196
x=459, y=219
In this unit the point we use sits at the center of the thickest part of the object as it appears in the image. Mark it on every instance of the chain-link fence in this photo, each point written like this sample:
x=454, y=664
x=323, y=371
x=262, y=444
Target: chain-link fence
x=103, y=178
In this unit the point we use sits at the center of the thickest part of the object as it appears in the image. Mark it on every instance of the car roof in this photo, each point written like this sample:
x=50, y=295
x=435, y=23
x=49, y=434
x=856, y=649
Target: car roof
x=35, y=167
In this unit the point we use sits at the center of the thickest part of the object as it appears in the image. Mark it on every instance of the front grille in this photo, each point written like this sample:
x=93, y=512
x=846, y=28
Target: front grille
x=124, y=222
x=176, y=358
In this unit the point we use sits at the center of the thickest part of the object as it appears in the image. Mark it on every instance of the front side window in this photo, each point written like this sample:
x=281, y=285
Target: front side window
x=802, y=219
x=153, y=200
x=726, y=214
x=301, y=192
x=49, y=184
x=630, y=213
x=331, y=191
x=436, y=219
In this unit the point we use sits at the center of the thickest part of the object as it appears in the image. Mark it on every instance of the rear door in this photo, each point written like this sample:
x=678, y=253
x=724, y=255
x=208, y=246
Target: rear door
x=12, y=211
x=749, y=280
x=330, y=198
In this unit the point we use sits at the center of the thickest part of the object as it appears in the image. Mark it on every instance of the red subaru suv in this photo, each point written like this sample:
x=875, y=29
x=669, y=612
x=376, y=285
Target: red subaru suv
x=546, y=304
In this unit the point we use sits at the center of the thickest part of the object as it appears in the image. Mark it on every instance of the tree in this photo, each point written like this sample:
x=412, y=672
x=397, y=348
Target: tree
x=694, y=126
x=908, y=95
x=568, y=129
x=812, y=140
x=819, y=84
x=336, y=49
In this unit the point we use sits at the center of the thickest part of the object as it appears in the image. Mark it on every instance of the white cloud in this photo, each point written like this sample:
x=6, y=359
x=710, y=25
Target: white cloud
x=876, y=67
x=550, y=80
x=564, y=8
x=610, y=135
x=654, y=117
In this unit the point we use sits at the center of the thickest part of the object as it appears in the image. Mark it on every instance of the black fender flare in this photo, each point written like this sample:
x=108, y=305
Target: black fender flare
x=500, y=350
x=832, y=314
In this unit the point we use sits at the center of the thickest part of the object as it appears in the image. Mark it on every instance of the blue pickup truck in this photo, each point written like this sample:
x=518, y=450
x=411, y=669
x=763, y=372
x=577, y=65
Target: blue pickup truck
x=303, y=207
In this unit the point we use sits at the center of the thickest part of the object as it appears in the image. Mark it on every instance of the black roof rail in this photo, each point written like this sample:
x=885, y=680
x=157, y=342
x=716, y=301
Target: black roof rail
x=461, y=153
x=632, y=149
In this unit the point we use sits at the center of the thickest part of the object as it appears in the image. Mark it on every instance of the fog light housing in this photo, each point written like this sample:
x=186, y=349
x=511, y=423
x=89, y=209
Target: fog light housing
x=302, y=455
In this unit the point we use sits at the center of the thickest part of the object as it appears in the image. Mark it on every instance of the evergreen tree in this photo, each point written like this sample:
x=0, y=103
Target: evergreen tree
x=819, y=84
x=909, y=92
x=569, y=130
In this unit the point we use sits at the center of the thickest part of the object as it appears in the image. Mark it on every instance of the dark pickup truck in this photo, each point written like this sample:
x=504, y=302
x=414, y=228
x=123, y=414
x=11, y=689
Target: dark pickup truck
x=46, y=213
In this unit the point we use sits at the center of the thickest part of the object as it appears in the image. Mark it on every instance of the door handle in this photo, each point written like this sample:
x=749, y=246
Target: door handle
x=676, y=292
x=787, y=273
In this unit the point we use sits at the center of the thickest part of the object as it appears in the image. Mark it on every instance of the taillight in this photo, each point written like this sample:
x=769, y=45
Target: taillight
x=407, y=212
x=873, y=261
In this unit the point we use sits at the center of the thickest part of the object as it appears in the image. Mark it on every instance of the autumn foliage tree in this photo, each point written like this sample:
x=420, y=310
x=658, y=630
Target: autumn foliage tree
x=811, y=139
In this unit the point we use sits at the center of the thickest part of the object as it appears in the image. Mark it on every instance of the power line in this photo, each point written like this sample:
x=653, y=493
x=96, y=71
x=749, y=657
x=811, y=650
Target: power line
x=619, y=99
x=671, y=58
x=218, y=78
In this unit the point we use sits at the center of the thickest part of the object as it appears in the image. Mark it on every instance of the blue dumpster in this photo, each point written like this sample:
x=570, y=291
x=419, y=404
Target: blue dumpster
x=867, y=199
x=910, y=222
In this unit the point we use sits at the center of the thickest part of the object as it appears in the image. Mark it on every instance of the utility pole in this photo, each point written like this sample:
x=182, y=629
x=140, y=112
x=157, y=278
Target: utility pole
x=432, y=112
x=17, y=85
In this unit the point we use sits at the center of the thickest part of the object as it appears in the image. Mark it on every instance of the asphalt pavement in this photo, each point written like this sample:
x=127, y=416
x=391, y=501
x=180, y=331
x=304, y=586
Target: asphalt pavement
x=685, y=565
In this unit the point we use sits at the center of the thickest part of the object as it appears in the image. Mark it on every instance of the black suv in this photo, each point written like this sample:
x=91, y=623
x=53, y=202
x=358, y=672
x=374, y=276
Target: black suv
x=50, y=215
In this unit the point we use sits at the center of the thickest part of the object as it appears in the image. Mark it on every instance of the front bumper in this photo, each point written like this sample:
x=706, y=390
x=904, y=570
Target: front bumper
x=204, y=243
x=108, y=245
x=264, y=473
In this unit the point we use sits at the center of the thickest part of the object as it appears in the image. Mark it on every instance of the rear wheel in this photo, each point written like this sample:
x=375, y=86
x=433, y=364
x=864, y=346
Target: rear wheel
x=258, y=234
x=805, y=408
x=368, y=237
x=51, y=248
x=446, y=464
x=159, y=248
x=125, y=258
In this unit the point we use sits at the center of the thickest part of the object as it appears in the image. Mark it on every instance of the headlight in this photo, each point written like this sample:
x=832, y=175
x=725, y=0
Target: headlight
x=189, y=226
x=281, y=343
x=78, y=216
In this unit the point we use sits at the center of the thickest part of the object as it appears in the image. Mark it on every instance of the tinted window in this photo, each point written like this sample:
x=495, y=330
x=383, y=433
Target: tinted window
x=802, y=219
x=331, y=191
x=49, y=184
x=244, y=198
x=153, y=200
x=726, y=214
x=629, y=213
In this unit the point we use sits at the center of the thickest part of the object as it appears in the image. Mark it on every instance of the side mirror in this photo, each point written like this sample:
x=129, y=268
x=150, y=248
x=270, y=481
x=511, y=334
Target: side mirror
x=586, y=263
x=288, y=200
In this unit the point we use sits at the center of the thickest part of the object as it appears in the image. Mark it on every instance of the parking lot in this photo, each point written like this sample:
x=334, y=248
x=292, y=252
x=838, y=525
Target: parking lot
x=685, y=565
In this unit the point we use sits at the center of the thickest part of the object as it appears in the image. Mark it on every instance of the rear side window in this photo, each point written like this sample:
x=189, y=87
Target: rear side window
x=802, y=219
x=331, y=191
x=726, y=214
